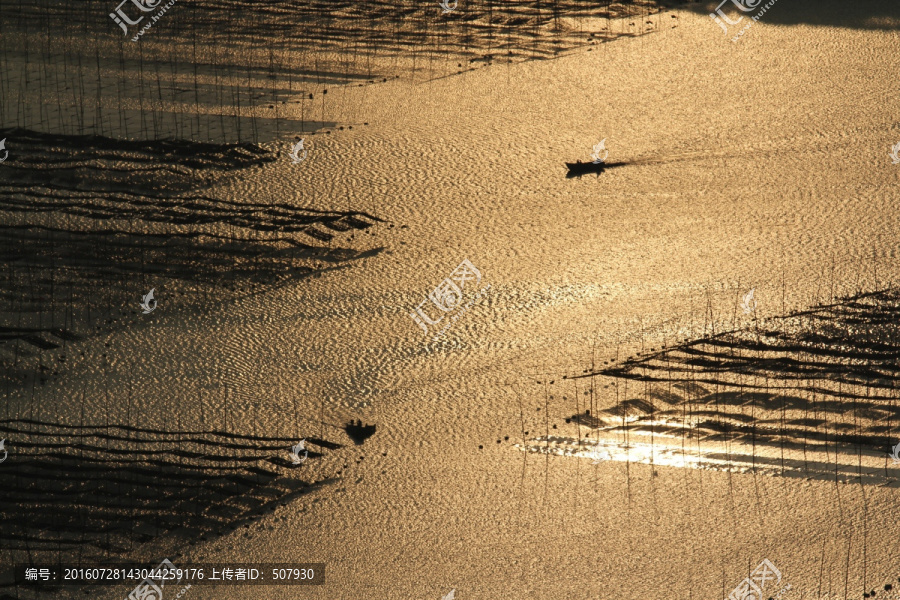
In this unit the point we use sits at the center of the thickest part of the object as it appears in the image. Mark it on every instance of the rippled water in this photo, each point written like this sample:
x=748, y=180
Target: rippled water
x=261, y=338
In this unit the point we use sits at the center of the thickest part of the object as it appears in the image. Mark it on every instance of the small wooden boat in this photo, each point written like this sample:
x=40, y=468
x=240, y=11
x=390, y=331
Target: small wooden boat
x=579, y=168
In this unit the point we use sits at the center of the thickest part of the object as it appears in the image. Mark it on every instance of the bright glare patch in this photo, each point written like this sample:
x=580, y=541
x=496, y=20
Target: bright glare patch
x=765, y=457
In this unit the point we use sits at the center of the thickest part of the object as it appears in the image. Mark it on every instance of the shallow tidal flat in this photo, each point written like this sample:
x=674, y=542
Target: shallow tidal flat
x=285, y=291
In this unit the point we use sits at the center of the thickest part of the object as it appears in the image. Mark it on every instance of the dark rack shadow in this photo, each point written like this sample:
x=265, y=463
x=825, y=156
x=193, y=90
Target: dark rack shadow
x=822, y=379
x=95, y=493
x=307, y=48
x=77, y=231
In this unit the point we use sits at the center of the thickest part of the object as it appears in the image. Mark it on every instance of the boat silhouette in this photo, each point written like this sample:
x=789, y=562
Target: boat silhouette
x=577, y=169
x=580, y=168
